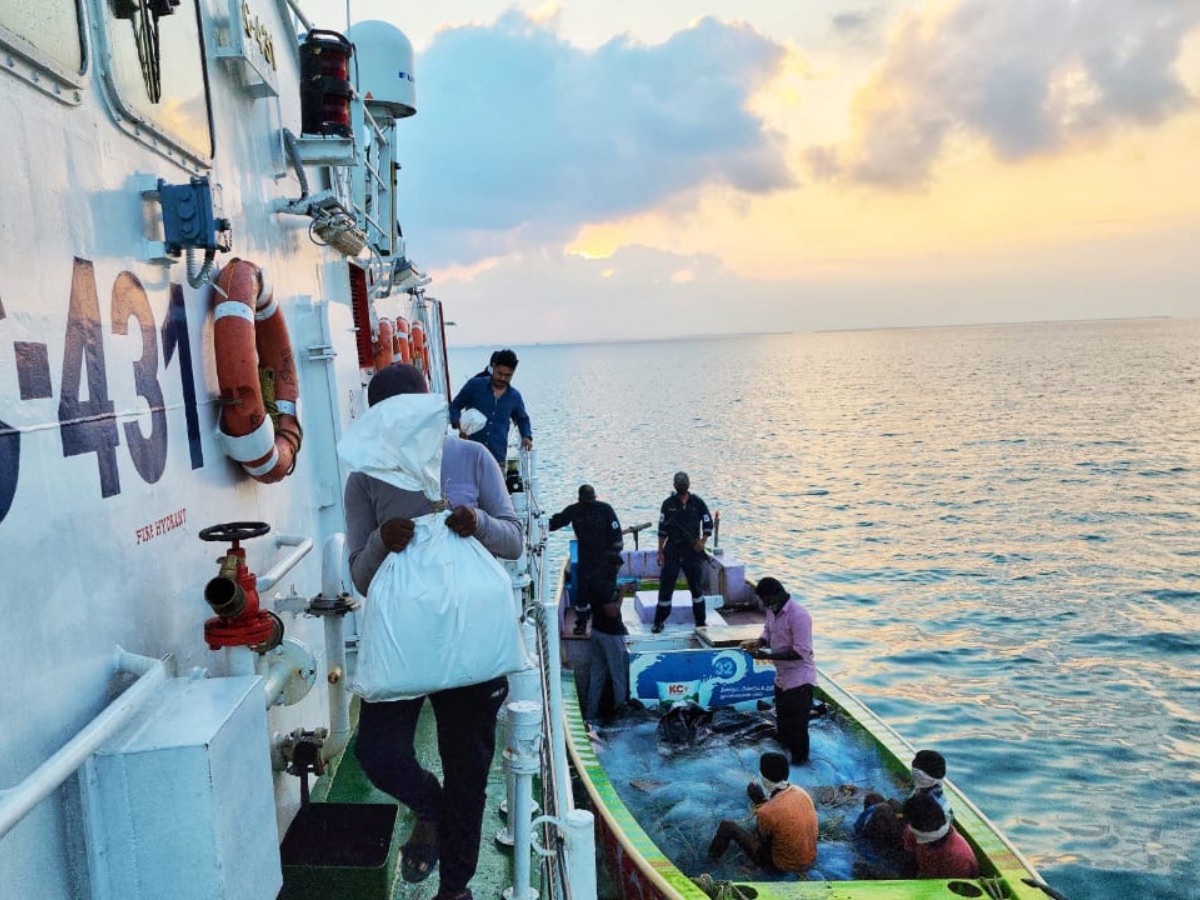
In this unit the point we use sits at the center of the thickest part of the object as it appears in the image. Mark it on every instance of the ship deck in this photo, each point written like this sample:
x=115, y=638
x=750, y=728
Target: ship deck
x=346, y=784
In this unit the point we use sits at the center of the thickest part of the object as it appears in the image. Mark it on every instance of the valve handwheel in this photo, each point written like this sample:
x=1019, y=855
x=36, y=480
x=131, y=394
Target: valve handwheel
x=234, y=531
x=233, y=594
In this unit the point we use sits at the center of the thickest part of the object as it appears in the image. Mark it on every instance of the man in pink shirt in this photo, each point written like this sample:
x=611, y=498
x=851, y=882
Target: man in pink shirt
x=786, y=641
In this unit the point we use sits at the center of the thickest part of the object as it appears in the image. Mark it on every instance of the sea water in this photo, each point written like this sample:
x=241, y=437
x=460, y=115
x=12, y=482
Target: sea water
x=996, y=530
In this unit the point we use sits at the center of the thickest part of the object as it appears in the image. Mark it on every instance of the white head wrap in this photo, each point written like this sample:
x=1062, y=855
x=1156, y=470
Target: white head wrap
x=772, y=786
x=923, y=781
x=928, y=837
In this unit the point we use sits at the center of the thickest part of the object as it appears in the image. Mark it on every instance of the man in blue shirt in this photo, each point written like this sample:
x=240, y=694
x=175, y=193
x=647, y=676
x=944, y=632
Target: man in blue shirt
x=494, y=396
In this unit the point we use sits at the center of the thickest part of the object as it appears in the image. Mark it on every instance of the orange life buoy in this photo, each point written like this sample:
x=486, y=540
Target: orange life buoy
x=403, y=347
x=420, y=347
x=385, y=351
x=254, y=356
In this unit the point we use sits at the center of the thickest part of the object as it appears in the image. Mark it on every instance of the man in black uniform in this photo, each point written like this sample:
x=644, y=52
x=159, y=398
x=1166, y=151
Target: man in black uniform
x=683, y=527
x=599, y=535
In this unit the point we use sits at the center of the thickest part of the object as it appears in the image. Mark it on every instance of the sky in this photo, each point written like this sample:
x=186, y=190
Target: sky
x=610, y=169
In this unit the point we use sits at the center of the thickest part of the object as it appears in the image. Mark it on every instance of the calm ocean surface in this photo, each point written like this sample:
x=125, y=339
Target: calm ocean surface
x=996, y=529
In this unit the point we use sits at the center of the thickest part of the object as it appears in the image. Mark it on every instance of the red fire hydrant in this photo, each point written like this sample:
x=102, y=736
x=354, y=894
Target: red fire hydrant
x=233, y=595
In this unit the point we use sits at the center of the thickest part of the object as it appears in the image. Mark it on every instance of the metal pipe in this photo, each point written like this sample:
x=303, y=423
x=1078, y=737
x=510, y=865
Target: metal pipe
x=285, y=565
x=337, y=680
x=334, y=583
x=523, y=761
x=553, y=663
x=524, y=687
x=333, y=562
x=16, y=802
x=275, y=675
x=294, y=5
x=532, y=477
x=579, y=829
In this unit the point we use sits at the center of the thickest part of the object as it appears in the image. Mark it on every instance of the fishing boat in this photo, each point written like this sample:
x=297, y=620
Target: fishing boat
x=658, y=792
x=201, y=268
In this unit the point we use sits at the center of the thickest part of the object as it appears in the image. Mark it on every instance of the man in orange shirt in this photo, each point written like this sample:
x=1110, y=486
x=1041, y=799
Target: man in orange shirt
x=785, y=837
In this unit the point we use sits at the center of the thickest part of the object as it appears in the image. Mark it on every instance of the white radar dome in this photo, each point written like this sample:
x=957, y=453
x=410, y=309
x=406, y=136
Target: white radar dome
x=385, y=67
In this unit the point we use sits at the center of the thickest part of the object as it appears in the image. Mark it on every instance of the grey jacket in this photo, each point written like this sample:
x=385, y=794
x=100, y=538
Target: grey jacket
x=470, y=477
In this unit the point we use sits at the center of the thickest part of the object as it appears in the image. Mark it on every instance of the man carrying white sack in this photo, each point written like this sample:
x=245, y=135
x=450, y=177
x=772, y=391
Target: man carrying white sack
x=379, y=521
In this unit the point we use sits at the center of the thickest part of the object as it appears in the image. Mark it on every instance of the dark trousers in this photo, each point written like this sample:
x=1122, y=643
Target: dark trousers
x=466, y=735
x=730, y=831
x=791, y=719
x=608, y=660
x=595, y=586
x=690, y=562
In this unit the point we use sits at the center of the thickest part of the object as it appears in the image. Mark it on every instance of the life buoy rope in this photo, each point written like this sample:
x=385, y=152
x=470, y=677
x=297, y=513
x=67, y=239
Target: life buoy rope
x=403, y=345
x=259, y=426
x=420, y=346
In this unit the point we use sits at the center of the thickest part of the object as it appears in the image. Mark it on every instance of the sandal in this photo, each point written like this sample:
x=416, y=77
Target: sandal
x=419, y=854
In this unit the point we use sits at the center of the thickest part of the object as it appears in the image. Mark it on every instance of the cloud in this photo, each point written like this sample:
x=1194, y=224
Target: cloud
x=1026, y=76
x=640, y=293
x=851, y=23
x=521, y=137
x=858, y=29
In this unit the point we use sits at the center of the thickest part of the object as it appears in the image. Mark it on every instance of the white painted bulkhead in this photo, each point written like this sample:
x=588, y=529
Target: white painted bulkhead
x=83, y=572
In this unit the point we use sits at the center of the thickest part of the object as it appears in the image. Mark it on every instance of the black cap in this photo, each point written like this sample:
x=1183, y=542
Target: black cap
x=587, y=492
x=924, y=813
x=774, y=766
x=396, y=379
x=770, y=587
x=931, y=763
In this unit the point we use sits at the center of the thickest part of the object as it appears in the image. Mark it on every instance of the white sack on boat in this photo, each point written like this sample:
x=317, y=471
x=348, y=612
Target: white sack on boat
x=399, y=440
x=439, y=615
x=471, y=421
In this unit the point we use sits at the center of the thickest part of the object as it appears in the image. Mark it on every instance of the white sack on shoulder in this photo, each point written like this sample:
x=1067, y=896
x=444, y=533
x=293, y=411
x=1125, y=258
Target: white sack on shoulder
x=440, y=614
x=399, y=440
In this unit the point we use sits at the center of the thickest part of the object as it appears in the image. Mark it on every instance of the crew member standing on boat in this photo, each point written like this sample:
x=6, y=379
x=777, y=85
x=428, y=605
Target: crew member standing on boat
x=379, y=521
x=684, y=526
x=786, y=641
x=598, y=535
x=501, y=403
x=786, y=834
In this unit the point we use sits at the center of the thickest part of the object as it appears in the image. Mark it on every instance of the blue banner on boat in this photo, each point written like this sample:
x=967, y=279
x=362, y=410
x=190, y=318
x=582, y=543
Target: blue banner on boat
x=709, y=677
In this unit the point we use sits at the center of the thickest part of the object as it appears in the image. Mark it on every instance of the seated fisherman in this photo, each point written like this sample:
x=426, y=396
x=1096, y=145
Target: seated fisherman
x=937, y=849
x=785, y=837
x=880, y=831
x=928, y=774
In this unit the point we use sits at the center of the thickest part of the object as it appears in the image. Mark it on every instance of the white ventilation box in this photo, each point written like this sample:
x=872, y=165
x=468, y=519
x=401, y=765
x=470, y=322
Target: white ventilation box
x=181, y=804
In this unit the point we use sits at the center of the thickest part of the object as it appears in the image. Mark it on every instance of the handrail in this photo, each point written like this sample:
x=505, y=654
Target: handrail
x=285, y=565
x=18, y=801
